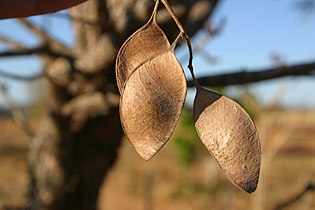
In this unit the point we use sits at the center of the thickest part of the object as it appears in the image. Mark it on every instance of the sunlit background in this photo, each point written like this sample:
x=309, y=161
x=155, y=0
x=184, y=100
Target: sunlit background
x=253, y=35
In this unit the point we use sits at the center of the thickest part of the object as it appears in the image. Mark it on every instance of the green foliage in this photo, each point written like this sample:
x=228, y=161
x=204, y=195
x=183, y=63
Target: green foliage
x=220, y=90
x=185, y=139
x=186, y=151
x=248, y=100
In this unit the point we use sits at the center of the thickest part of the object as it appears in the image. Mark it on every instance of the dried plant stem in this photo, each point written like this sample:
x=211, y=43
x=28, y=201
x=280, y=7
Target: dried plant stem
x=190, y=65
x=156, y=6
x=187, y=38
x=170, y=10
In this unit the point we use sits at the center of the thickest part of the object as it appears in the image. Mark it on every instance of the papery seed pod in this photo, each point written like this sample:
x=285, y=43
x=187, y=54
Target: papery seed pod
x=142, y=45
x=230, y=136
x=152, y=102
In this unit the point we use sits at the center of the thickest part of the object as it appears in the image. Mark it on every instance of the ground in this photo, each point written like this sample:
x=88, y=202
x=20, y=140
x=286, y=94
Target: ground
x=169, y=181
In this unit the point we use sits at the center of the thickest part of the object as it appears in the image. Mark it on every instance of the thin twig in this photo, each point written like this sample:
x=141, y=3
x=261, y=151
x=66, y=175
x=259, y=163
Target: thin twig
x=199, y=48
x=23, y=52
x=38, y=32
x=19, y=77
x=187, y=38
x=298, y=196
x=53, y=43
x=209, y=32
x=173, y=15
x=12, y=43
x=17, y=113
x=41, y=49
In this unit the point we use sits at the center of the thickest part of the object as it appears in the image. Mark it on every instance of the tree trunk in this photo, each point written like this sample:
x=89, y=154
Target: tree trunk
x=79, y=138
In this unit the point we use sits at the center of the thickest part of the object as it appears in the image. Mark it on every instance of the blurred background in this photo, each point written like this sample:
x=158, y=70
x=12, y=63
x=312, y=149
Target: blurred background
x=262, y=37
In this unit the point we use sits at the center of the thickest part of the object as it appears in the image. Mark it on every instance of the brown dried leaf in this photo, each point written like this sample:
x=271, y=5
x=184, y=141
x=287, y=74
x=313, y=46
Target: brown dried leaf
x=144, y=44
x=152, y=102
x=230, y=136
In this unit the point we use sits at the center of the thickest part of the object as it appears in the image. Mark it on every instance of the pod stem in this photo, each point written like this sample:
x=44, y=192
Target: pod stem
x=156, y=6
x=187, y=39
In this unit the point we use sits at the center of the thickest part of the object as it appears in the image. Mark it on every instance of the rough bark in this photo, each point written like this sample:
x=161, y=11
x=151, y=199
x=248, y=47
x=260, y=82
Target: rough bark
x=79, y=138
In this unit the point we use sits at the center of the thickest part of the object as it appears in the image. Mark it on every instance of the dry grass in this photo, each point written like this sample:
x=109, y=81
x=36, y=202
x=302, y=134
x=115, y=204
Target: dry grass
x=13, y=164
x=288, y=165
x=163, y=183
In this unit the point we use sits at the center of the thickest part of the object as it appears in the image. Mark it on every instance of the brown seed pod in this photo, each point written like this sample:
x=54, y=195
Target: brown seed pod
x=151, y=103
x=230, y=136
x=144, y=44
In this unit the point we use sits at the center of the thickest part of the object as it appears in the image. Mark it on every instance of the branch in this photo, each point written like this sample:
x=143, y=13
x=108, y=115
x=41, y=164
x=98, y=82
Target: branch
x=17, y=113
x=192, y=15
x=41, y=49
x=53, y=43
x=18, y=77
x=209, y=32
x=244, y=77
x=12, y=43
x=23, y=52
x=309, y=187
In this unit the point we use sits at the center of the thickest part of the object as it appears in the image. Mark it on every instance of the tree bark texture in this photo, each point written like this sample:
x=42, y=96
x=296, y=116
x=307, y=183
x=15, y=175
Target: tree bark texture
x=78, y=140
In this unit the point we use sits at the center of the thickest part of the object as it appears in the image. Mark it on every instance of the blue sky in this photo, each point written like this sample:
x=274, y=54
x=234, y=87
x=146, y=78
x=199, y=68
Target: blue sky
x=254, y=31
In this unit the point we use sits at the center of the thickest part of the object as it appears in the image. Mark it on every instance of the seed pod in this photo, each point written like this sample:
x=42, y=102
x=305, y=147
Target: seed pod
x=151, y=103
x=230, y=136
x=144, y=44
